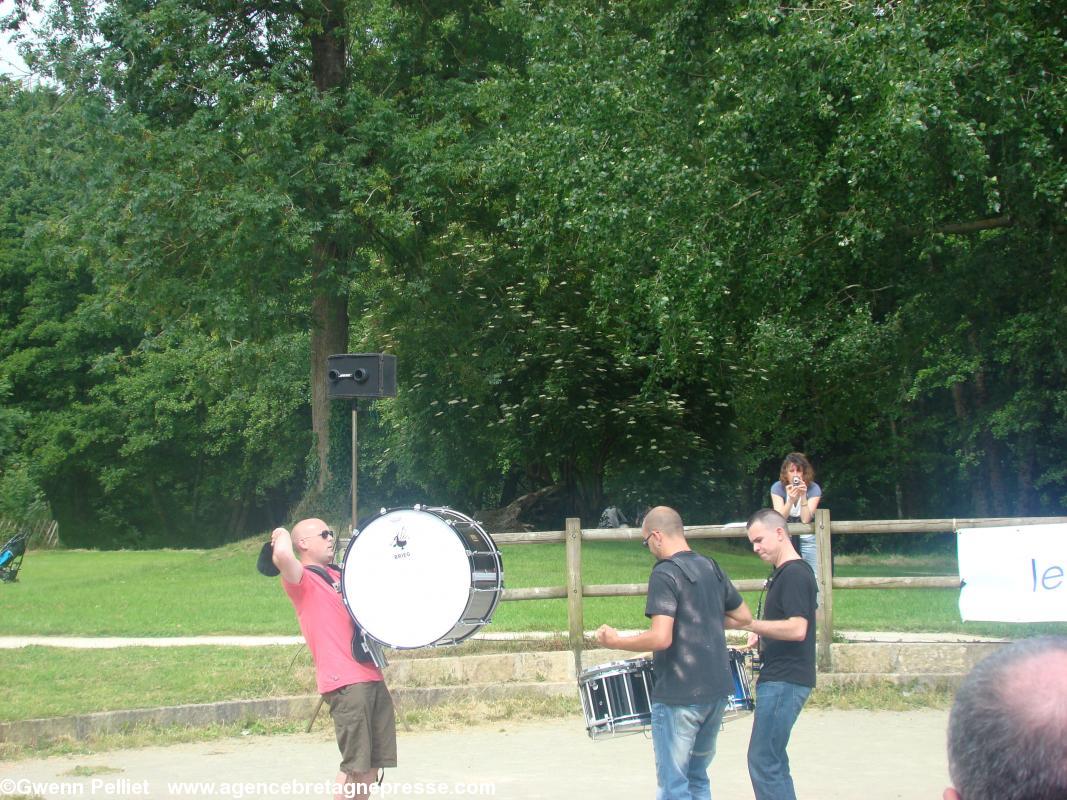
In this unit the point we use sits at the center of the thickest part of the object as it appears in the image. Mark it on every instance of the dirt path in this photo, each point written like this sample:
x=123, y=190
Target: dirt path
x=836, y=755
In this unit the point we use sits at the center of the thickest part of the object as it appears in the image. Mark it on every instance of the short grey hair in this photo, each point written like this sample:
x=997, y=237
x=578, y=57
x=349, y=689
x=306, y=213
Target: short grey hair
x=767, y=517
x=1005, y=744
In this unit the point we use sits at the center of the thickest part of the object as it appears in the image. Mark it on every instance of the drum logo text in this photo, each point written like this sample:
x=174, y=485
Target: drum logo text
x=400, y=542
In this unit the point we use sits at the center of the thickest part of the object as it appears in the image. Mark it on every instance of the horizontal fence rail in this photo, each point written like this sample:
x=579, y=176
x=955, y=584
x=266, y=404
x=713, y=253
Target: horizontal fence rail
x=822, y=527
x=39, y=533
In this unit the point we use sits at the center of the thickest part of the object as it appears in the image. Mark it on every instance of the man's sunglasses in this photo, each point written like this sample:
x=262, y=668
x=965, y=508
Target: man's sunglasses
x=326, y=534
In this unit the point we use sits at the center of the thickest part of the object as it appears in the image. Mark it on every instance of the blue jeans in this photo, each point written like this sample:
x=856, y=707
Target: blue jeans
x=778, y=705
x=809, y=551
x=683, y=738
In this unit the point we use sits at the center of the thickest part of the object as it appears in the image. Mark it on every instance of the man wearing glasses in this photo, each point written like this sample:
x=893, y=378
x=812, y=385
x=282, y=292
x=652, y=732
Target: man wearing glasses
x=690, y=602
x=359, y=701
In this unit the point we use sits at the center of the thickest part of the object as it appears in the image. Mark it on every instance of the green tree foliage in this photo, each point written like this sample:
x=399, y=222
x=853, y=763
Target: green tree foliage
x=42, y=145
x=638, y=250
x=827, y=228
x=149, y=425
x=895, y=202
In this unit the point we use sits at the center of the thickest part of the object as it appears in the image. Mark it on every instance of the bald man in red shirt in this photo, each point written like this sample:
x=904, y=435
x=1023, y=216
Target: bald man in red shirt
x=362, y=709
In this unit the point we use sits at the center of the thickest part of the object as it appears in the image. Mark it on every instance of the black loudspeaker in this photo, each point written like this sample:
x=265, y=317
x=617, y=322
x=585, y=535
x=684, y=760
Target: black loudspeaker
x=360, y=375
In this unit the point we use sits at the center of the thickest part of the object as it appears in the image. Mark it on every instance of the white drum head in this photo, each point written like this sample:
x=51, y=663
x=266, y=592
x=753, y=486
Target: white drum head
x=406, y=578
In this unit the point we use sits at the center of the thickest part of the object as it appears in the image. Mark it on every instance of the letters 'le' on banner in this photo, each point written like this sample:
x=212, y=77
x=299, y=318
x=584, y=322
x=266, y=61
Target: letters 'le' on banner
x=1013, y=574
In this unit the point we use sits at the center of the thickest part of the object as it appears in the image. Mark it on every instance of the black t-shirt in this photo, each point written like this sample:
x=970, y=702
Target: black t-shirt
x=790, y=593
x=697, y=594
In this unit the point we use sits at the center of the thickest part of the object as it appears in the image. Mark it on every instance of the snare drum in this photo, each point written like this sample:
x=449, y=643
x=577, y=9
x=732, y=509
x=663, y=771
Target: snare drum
x=741, y=700
x=421, y=577
x=616, y=697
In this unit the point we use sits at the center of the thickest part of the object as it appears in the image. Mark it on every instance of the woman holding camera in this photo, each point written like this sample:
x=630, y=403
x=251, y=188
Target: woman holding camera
x=795, y=495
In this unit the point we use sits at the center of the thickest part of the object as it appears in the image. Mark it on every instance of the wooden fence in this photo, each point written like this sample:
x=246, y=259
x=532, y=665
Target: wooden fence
x=42, y=533
x=575, y=590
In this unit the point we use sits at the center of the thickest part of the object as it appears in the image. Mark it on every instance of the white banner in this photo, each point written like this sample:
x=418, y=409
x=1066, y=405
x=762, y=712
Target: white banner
x=1016, y=574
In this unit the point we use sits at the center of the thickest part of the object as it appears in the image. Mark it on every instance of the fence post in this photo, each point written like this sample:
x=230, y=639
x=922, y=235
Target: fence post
x=574, y=590
x=824, y=615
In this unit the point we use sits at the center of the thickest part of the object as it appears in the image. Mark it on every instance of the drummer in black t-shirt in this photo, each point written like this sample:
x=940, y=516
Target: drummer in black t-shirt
x=690, y=601
x=787, y=630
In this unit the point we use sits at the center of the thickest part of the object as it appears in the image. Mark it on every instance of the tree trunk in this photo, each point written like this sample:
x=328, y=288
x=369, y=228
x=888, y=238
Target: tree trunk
x=238, y=519
x=990, y=445
x=1026, y=505
x=329, y=310
x=328, y=49
x=329, y=335
x=979, y=495
x=584, y=488
x=898, y=489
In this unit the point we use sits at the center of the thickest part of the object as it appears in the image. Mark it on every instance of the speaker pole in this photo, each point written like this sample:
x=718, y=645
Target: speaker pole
x=355, y=375
x=355, y=462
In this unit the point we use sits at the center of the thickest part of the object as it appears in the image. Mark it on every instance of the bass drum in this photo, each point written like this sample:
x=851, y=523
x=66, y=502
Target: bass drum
x=421, y=577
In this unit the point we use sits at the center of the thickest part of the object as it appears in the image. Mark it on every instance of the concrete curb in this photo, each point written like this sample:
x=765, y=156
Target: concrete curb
x=909, y=658
x=936, y=680
x=423, y=683
x=297, y=707
x=734, y=638
x=429, y=696
x=83, y=726
x=414, y=683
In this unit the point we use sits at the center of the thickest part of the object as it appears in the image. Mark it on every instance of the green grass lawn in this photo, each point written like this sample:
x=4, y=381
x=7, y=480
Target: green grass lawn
x=197, y=592
x=54, y=682
x=191, y=592
x=145, y=593
x=50, y=682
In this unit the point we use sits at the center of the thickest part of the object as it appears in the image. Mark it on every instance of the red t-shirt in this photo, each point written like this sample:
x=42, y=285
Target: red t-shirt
x=327, y=629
